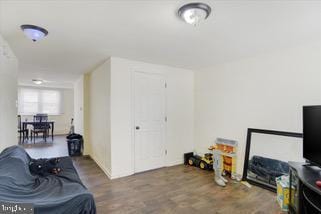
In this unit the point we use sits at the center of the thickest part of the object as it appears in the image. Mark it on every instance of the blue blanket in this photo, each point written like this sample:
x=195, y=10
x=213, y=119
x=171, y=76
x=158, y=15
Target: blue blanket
x=63, y=193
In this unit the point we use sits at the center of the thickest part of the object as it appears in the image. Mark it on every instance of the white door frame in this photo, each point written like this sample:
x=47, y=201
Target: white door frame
x=133, y=116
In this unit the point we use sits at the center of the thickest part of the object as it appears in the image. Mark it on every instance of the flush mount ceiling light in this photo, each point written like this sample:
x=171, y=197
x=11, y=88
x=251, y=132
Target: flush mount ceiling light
x=33, y=32
x=37, y=81
x=194, y=13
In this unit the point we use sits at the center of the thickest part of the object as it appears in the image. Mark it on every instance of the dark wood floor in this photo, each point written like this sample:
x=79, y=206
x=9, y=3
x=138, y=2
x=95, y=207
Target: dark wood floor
x=178, y=189
x=40, y=149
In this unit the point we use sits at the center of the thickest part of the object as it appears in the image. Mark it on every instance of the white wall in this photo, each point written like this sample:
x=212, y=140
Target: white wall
x=79, y=105
x=266, y=91
x=99, y=116
x=110, y=114
x=8, y=96
x=62, y=121
x=179, y=107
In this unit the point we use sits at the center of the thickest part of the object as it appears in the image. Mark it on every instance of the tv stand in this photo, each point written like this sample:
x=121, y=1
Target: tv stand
x=310, y=164
x=305, y=195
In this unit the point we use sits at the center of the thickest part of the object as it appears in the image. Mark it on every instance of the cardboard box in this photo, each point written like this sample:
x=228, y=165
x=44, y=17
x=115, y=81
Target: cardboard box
x=283, y=191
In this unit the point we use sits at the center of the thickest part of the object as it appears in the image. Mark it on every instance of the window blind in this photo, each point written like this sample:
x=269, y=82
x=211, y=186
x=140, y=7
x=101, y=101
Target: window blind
x=46, y=101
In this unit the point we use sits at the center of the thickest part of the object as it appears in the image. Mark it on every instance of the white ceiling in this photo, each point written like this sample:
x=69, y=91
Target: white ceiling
x=85, y=32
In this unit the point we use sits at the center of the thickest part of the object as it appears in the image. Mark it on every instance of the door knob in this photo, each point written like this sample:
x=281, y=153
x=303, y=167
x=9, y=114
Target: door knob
x=137, y=127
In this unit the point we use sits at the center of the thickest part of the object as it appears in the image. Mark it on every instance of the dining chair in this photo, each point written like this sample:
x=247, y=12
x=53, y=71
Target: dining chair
x=41, y=117
x=23, y=132
x=45, y=118
x=40, y=126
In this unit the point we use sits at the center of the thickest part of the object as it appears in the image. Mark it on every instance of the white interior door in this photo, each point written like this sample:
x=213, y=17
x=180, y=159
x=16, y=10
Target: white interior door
x=149, y=113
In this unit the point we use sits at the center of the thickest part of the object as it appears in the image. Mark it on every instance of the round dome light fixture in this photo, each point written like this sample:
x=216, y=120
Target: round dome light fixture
x=194, y=13
x=37, y=81
x=34, y=32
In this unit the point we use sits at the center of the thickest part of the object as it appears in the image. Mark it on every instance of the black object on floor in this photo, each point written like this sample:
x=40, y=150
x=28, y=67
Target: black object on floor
x=187, y=156
x=75, y=144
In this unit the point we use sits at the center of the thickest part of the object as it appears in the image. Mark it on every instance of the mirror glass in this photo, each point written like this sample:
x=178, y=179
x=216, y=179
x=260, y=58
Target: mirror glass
x=269, y=156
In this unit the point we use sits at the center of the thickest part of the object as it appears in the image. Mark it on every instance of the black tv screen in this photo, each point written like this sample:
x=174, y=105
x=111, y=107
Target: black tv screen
x=312, y=134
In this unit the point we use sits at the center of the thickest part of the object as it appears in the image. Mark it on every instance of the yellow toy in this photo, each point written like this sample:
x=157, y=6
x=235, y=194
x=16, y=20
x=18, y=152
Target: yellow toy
x=224, y=153
x=207, y=161
x=203, y=162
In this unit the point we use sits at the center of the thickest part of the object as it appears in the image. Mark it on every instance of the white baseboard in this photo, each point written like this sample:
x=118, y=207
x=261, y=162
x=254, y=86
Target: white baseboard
x=106, y=171
x=125, y=173
x=175, y=162
x=121, y=174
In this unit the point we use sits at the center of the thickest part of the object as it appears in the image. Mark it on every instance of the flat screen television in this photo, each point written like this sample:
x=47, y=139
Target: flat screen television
x=312, y=134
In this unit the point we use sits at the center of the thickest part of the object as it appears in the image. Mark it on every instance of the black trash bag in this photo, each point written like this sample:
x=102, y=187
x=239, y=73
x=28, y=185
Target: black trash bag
x=74, y=136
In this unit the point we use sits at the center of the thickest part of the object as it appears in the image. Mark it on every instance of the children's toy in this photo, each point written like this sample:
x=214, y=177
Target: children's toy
x=224, y=153
x=187, y=156
x=204, y=162
x=283, y=184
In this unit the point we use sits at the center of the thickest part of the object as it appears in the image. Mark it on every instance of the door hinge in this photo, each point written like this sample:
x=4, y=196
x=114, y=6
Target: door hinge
x=165, y=84
x=165, y=119
x=165, y=151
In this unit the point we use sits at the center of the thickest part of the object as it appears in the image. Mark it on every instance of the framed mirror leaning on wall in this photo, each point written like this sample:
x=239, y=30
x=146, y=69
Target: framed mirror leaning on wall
x=267, y=155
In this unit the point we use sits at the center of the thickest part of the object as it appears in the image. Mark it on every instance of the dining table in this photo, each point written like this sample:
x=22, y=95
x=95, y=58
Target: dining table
x=32, y=123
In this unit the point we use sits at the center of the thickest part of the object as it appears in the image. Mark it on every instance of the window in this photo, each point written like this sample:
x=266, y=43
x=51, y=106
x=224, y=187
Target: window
x=32, y=101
